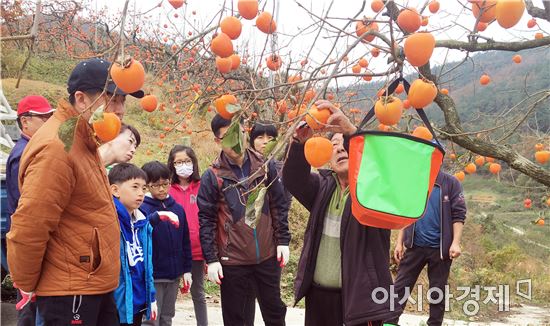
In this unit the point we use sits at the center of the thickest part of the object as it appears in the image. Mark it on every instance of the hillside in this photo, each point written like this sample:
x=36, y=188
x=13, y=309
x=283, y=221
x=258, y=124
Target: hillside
x=510, y=84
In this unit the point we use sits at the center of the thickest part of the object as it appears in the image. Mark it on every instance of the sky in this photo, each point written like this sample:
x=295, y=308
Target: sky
x=296, y=34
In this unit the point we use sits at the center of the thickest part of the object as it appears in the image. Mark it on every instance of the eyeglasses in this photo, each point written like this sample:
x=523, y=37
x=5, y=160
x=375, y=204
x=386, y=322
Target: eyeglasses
x=159, y=186
x=43, y=117
x=182, y=163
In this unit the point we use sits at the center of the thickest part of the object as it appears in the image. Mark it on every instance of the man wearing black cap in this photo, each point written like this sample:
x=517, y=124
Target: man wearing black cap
x=63, y=246
x=87, y=82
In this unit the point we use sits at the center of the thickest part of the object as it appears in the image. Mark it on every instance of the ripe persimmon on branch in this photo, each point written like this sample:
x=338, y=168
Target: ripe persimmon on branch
x=453, y=127
x=277, y=72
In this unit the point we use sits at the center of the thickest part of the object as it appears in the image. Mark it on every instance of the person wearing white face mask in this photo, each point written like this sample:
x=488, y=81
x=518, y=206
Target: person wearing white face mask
x=185, y=180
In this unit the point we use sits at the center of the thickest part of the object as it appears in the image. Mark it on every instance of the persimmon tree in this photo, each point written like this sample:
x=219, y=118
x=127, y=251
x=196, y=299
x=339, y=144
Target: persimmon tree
x=195, y=64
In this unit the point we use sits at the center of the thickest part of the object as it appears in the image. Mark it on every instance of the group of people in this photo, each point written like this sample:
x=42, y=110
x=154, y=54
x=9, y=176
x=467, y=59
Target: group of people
x=95, y=240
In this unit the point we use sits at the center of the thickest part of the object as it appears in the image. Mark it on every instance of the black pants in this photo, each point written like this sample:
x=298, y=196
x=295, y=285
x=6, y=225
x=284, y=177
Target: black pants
x=27, y=315
x=137, y=320
x=324, y=308
x=82, y=310
x=250, y=304
x=410, y=267
x=266, y=278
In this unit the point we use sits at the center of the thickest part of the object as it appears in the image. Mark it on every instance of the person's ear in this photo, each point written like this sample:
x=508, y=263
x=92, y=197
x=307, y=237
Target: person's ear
x=24, y=122
x=115, y=190
x=81, y=101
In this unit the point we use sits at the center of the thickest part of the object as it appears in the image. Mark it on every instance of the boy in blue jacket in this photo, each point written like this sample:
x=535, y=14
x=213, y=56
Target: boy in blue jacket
x=171, y=246
x=135, y=294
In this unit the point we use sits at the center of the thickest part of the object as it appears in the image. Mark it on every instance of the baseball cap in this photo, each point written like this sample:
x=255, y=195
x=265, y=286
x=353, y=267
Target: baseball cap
x=91, y=74
x=34, y=104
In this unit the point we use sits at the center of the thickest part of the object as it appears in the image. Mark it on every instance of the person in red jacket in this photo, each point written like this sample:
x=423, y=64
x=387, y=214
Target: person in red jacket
x=185, y=179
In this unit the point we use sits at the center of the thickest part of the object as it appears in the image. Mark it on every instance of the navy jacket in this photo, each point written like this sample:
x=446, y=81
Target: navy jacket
x=453, y=210
x=12, y=177
x=171, y=246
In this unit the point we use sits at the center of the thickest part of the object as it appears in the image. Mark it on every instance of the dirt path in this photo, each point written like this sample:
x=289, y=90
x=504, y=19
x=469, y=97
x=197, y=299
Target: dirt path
x=524, y=315
x=519, y=231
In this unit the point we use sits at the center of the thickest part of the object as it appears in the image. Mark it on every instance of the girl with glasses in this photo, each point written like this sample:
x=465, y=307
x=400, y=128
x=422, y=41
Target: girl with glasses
x=185, y=179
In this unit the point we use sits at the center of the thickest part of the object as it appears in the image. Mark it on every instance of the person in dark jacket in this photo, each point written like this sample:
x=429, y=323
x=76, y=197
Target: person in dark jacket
x=343, y=264
x=32, y=113
x=171, y=246
x=260, y=135
x=434, y=240
x=246, y=242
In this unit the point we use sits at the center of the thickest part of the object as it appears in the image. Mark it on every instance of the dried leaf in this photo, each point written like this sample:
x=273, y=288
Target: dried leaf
x=66, y=132
x=254, y=205
x=97, y=115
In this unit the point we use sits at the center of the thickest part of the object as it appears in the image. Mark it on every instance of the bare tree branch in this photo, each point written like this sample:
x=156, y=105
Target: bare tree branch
x=502, y=46
x=538, y=12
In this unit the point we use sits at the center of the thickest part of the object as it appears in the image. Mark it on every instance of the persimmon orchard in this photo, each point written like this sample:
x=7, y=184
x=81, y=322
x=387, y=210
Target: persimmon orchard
x=246, y=62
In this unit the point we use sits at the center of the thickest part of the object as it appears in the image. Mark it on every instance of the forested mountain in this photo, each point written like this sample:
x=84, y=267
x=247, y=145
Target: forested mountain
x=478, y=105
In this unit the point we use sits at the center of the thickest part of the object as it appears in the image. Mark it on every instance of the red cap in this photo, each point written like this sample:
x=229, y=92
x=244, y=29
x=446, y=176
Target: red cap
x=35, y=104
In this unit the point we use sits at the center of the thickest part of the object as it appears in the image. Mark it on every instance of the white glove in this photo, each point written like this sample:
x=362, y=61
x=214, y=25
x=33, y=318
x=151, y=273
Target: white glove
x=154, y=310
x=187, y=281
x=283, y=254
x=170, y=217
x=215, y=272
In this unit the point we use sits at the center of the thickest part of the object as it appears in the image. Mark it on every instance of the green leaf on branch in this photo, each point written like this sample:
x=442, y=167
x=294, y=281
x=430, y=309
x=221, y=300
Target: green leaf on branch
x=234, y=137
x=233, y=108
x=270, y=146
x=66, y=132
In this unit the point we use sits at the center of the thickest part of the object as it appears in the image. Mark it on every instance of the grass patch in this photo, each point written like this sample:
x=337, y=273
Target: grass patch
x=52, y=92
x=51, y=70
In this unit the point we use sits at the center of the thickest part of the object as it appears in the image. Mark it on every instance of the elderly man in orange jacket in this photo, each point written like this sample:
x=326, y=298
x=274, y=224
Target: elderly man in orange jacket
x=63, y=246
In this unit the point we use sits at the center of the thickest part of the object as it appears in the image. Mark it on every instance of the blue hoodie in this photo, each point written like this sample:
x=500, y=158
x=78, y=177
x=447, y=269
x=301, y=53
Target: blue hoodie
x=171, y=246
x=136, y=289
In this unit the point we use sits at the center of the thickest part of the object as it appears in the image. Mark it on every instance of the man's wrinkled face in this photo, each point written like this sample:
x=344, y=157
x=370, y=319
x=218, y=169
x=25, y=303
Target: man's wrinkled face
x=30, y=123
x=339, y=160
